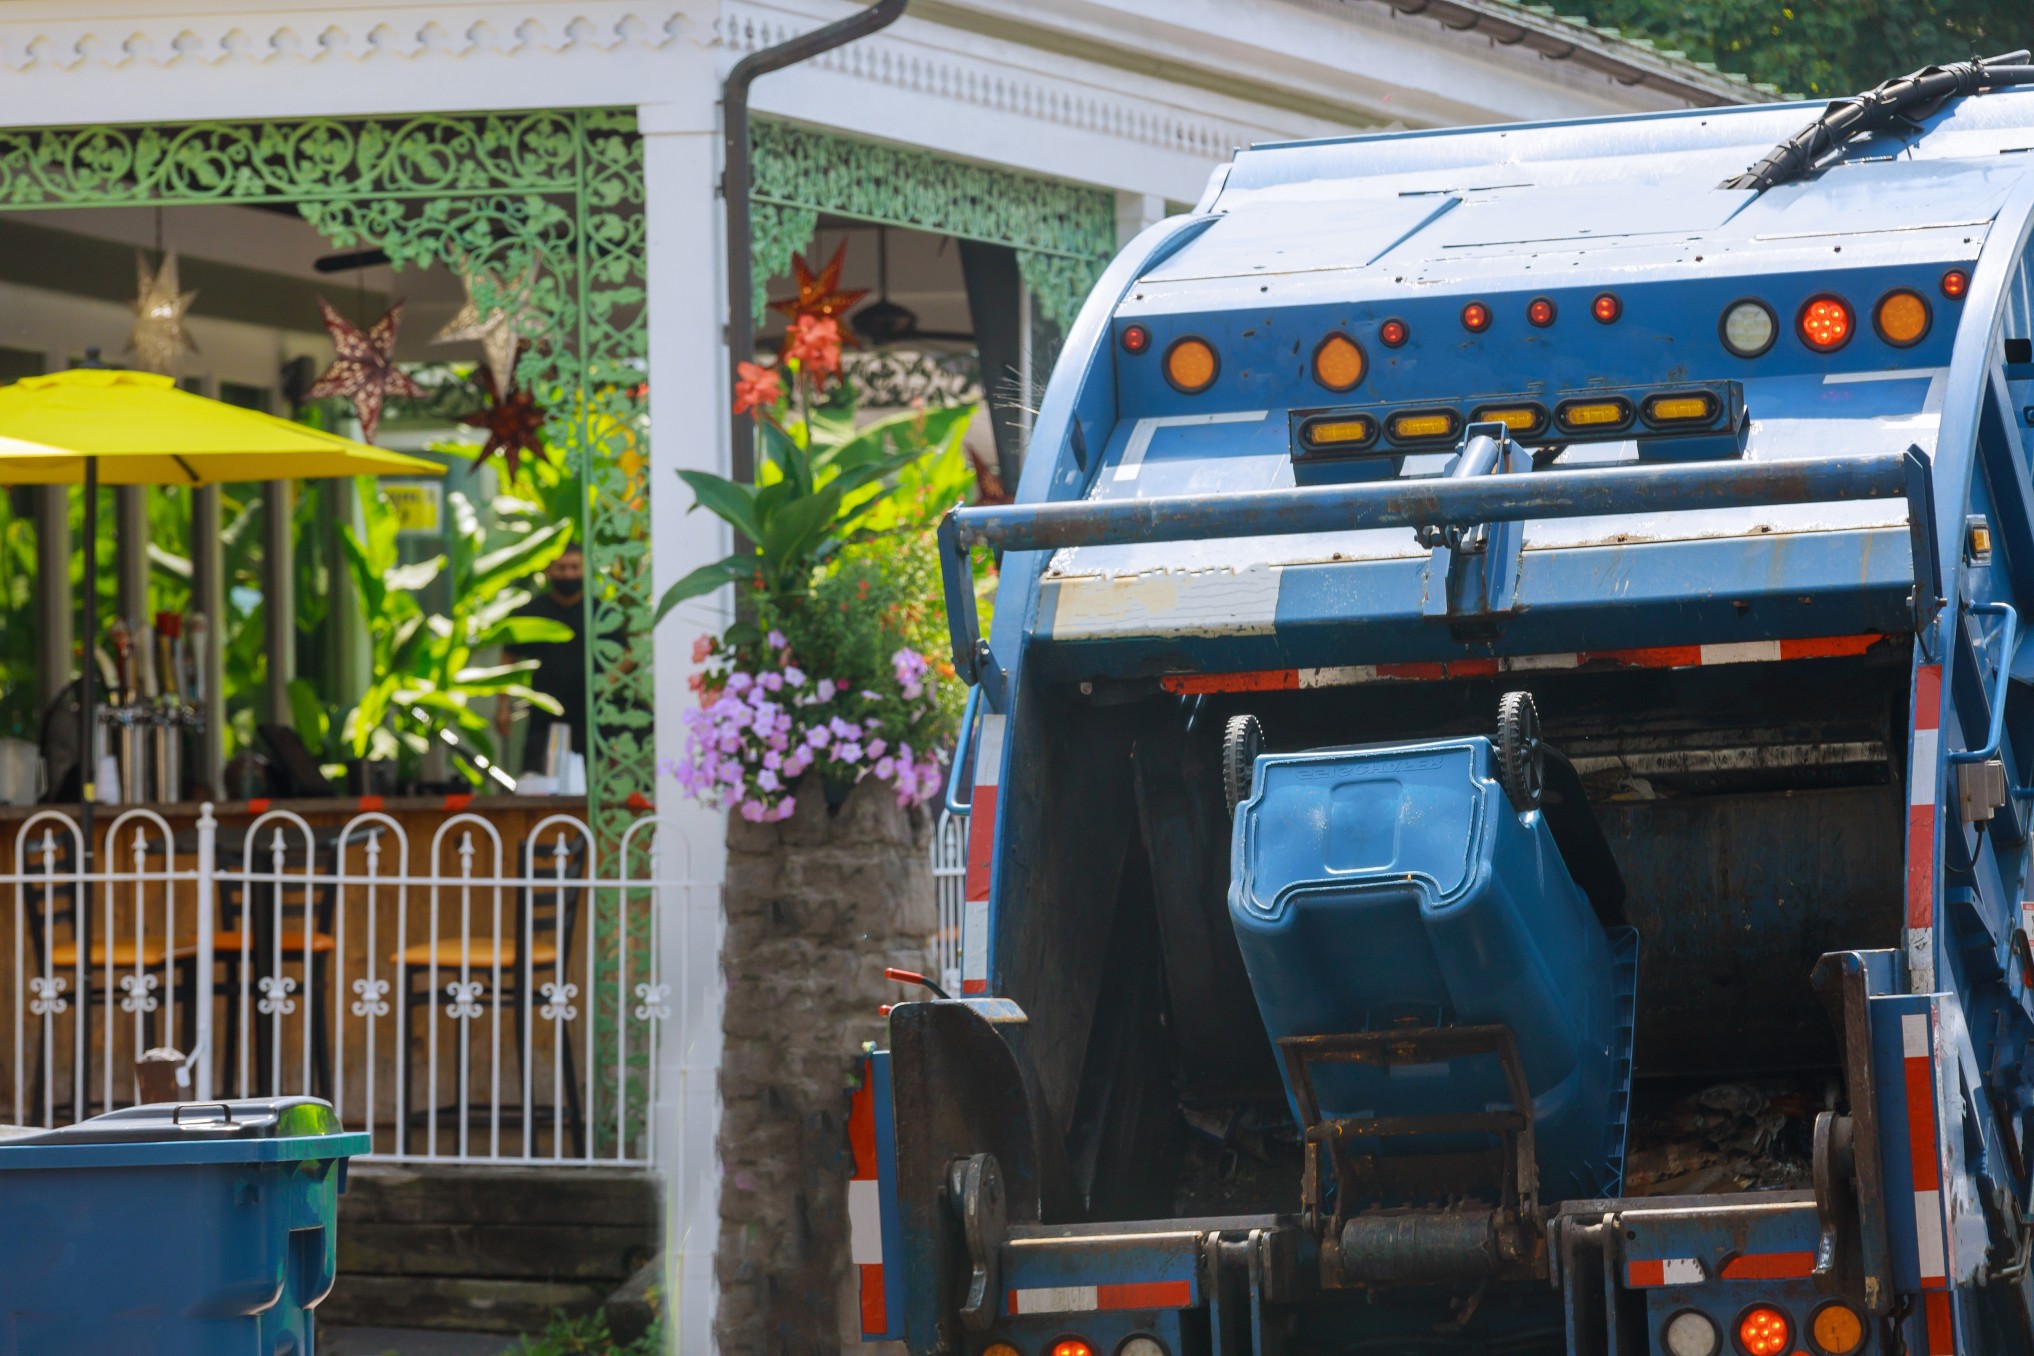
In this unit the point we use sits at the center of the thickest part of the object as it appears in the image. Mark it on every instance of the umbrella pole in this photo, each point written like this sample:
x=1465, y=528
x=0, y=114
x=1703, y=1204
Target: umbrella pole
x=88, y=769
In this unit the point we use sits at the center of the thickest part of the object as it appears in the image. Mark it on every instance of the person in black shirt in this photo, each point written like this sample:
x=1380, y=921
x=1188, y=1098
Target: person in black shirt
x=561, y=665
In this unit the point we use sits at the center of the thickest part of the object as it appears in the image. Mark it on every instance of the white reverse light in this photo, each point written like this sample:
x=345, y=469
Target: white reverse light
x=1691, y=1333
x=1749, y=328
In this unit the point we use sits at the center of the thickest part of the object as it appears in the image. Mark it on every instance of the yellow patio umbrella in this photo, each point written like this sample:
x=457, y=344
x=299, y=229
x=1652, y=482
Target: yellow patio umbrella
x=137, y=428
x=95, y=426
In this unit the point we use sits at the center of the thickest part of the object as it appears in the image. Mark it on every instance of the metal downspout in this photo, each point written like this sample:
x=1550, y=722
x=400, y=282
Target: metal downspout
x=737, y=180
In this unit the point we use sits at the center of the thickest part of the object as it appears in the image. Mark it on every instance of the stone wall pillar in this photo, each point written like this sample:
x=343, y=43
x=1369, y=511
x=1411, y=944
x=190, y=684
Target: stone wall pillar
x=816, y=908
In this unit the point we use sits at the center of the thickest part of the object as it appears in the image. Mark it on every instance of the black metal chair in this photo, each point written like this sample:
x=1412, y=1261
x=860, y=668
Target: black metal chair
x=549, y=915
x=256, y=930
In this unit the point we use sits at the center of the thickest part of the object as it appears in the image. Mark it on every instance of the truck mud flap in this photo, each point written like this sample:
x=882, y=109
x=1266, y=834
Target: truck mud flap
x=969, y=1127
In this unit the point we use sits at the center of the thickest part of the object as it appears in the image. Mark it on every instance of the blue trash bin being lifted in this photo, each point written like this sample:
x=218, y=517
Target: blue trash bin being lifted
x=181, y=1229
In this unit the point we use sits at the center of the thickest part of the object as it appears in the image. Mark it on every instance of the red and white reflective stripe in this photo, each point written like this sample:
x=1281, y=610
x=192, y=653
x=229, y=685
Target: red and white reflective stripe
x=1917, y=1048
x=865, y=1207
x=1651, y=657
x=981, y=854
x=1923, y=790
x=1769, y=1266
x=1941, y=1323
x=1664, y=1271
x=1087, y=1299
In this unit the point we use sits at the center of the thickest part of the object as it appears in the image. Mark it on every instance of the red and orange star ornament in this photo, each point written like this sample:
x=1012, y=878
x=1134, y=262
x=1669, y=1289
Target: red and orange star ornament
x=820, y=295
x=365, y=371
x=514, y=423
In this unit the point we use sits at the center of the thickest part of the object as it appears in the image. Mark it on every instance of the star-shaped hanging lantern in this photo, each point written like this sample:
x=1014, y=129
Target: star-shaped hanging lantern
x=502, y=329
x=365, y=371
x=514, y=423
x=158, y=341
x=820, y=294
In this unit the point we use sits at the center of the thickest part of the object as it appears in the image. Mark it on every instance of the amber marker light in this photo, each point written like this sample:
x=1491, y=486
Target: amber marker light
x=1540, y=311
x=1825, y=323
x=1593, y=416
x=1606, y=308
x=1764, y=1331
x=1837, y=1329
x=1955, y=284
x=1476, y=317
x=1353, y=430
x=1516, y=418
x=1901, y=318
x=1136, y=339
x=1695, y=407
x=1392, y=333
x=999, y=1349
x=1422, y=426
x=1338, y=363
x=1191, y=365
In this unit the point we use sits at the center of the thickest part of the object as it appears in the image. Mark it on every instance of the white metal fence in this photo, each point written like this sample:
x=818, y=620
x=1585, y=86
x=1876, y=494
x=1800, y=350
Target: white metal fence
x=950, y=883
x=461, y=999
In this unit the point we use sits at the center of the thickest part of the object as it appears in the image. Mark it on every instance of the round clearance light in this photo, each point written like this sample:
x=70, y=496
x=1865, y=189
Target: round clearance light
x=1606, y=308
x=1604, y=414
x=1955, y=284
x=1136, y=339
x=1837, y=1329
x=1901, y=318
x=1764, y=1331
x=1540, y=311
x=1691, y=1333
x=1191, y=365
x=999, y=1349
x=1749, y=328
x=1475, y=317
x=1338, y=363
x=1825, y=323
x=1392, y=333
x=1141, y=1344
x=1070, y=1346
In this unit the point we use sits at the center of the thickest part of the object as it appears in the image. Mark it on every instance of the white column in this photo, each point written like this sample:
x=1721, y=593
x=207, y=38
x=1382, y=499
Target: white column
x=1135, y=211
x=208, y=595
x=689, y=404
x=130, y=557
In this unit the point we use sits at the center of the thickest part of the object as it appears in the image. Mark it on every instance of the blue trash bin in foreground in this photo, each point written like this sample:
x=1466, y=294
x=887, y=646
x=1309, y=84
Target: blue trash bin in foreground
x=182, y=1229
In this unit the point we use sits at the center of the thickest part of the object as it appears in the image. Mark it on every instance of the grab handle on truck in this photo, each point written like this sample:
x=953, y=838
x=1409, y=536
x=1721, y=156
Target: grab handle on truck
x=2001, y=684
x=963, y=751
x=1431, y=503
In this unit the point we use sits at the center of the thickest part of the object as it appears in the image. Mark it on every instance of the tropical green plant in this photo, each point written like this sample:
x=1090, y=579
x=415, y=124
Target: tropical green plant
x=426, y=679
x=588, y=1336
x=824, y=485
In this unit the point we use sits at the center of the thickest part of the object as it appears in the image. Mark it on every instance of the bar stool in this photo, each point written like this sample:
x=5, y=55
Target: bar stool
x=547, y=909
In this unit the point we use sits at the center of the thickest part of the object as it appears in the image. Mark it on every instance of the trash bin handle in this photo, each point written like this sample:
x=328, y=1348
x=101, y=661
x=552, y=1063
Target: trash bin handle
x=177, y=1111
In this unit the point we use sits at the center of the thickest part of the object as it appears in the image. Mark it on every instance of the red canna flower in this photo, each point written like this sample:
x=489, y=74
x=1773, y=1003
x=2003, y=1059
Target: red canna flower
x=756, y=386
x=814, y=344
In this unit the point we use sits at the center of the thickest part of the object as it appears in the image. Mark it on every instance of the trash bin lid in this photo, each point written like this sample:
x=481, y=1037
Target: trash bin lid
x=197, y=1122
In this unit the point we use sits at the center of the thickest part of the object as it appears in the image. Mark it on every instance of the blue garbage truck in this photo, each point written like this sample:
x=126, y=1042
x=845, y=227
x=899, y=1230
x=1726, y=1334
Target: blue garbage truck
x=1502, y=773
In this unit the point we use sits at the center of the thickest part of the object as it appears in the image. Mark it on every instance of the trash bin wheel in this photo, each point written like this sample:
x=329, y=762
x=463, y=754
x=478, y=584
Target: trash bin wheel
x=1242, y=741
x=1521, y=760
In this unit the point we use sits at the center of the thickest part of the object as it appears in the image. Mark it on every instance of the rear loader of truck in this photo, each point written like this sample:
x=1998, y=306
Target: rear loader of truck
x=1500, y=786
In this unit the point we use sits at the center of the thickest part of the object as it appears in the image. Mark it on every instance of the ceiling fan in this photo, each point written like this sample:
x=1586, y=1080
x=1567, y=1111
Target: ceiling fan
x=884, y=323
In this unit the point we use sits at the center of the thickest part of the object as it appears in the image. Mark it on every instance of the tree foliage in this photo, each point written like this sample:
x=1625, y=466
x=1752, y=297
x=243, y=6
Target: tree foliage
x=1822, y=49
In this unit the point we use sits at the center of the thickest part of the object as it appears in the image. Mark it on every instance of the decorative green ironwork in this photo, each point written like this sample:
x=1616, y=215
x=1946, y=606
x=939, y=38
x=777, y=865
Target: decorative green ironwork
x=1063, y=233
x=560, y=189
